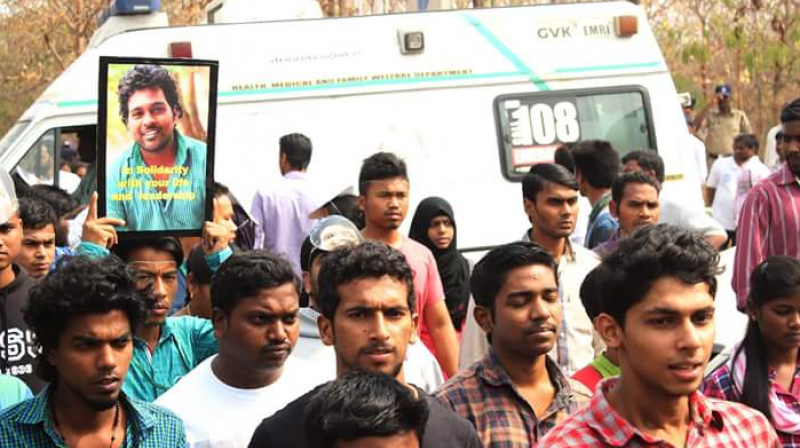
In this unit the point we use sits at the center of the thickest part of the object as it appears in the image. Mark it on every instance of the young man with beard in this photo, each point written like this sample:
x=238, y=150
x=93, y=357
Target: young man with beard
x=657, y=292
x=516, y=393
x=770, y=218
x=38, y=249
x=634, y=204
x=366, y=301
x=150, y=108
x=384, y=192
x=255, y=313
x=84, y=315
x=164, y=348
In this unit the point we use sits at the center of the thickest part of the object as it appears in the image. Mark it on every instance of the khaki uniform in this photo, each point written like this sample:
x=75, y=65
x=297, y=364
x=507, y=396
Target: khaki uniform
x=718, y=131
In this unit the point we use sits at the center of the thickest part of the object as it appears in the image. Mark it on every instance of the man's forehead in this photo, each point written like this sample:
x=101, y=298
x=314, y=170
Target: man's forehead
x=153, y=266
x=147, y=95
x=42, y=233
x=558, y=191
x=639, y=190
x=393, y=184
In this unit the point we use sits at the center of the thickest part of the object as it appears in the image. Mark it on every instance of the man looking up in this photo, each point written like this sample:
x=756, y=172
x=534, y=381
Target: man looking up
x=673, y=210
x=255, y=308
x=516, y=393
x=634, y=204
x=150, y=108
x=384, y=189
x=164, y=348
x=365, y=409
x=596, y=167
x=17, y=349
x=366, y=301
x=38, y=237
x=84, y=315
x=282, y=210
x=770, y=217
x=658, y=312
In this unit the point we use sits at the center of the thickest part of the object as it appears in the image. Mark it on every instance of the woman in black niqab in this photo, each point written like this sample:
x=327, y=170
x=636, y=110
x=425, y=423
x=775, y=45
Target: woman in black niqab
x=453, y=267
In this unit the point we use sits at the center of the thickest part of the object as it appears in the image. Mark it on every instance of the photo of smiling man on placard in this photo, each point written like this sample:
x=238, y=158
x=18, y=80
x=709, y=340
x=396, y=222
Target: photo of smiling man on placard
x=156, y=152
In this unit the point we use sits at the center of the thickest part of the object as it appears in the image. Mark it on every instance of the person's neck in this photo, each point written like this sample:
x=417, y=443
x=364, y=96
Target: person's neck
x=342, y=369
x=73, y=414
x=235, y=374
x=781, y=357
x=523, y=372
x=555, y=245
x=392, y=237
x=612, y=355
x=165, y=157
x=7, y=276
x=595, y=194
x=149, y=333
x=656, y=414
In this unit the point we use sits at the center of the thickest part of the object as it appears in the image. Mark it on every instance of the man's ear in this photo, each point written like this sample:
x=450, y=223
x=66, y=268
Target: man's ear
x=414, y=327
x=362, y=200
x=220, y=321
x=306, y=281
x=612, y=208
x=529, y=208
x=484, y=319
x=325, y=327
x=609, y=330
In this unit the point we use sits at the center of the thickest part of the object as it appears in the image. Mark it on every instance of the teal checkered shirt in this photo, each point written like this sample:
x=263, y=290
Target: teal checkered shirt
x=28, y=425
x=184, y=206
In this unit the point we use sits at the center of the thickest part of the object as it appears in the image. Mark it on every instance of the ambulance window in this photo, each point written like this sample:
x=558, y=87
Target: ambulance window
x=39, y=163
x=532, y=125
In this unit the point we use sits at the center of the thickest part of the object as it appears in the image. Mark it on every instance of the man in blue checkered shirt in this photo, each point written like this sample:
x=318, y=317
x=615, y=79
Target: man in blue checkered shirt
x=84, y=315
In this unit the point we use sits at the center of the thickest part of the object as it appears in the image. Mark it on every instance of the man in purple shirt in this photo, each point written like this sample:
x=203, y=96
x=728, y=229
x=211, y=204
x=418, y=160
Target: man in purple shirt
x=282, y=212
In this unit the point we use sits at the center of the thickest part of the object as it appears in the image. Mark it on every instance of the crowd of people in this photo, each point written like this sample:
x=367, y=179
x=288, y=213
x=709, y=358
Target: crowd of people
x=302, y=324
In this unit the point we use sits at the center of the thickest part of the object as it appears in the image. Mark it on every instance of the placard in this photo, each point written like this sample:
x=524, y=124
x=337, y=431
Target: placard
x=156, y=122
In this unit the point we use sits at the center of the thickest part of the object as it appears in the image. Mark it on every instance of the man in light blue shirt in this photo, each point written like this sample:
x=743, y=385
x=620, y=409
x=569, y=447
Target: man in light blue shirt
x=282, y=211
x=159, y=182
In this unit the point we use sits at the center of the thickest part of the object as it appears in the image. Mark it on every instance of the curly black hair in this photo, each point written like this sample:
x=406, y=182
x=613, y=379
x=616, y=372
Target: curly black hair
x=371, y=259
x=145, y=76
x=245, y=274
x=81, y=285
x=36, y=214
x=650, y=254
x=363, y=404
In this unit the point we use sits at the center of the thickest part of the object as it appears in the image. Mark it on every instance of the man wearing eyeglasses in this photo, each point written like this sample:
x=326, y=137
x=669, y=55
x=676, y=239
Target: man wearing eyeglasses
x=769, y=223
x=165, y=348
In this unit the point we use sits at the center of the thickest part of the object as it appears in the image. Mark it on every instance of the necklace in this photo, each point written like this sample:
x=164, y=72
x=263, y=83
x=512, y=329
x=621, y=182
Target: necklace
x=113, y=425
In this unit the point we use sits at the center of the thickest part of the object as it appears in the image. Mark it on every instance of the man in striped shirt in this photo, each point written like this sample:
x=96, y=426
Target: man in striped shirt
x=159, y=182
x=769, y=223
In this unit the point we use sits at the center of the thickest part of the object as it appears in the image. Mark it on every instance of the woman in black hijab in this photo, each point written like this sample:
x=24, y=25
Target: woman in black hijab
x=435, y=227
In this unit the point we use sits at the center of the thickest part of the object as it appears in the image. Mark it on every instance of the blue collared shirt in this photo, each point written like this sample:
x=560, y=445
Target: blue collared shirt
x=28, y=425
x=183, y=344
x=143, y=206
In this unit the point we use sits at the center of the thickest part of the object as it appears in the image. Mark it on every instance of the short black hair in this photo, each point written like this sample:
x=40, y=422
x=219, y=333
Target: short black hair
x=747, y=140
x=79, y=286
x=247, y=273
x=491, y=272
x=371, y=259
x=563, y=157
x=537, y=178
x=218, y=189
x=36, y=214
x=648, y=255
x=647, y=159
x=779, y=136
x=622, y=181
x=61, y=201
x=128, y=244
x=197, y=265
x=297, y=148
x=791, y=112
x=597, y=161
x=145, y=76
x=363, y=404
x=380, y=166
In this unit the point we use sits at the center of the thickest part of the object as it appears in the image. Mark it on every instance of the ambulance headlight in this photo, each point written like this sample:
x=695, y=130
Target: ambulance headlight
x=411, y=42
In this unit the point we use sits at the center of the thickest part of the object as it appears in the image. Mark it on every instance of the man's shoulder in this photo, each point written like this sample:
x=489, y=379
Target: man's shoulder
x=285, y=426
x=164, y=422
x=183, y=394
x=188, y=324
x=416, y=252
x=444, y=425
x=584, y=255
x=572, y=432
x=458, y=384
x=735, y=414
x=23, y=410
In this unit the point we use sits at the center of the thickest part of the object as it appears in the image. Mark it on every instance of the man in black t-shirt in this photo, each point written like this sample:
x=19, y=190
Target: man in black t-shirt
x=366, y=302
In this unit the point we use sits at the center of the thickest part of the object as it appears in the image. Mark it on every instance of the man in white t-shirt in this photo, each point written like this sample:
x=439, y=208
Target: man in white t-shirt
x=256, y=303
x=724, y=181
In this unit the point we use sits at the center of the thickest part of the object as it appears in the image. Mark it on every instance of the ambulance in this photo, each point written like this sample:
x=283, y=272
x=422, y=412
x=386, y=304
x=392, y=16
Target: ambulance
x=469, y=98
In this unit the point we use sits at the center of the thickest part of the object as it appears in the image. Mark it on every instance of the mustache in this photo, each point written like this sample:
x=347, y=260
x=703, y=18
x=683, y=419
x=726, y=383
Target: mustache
x=280, y=347
x=540, y=328
x=377, y=347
